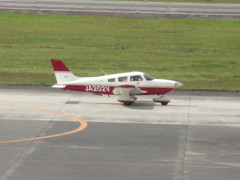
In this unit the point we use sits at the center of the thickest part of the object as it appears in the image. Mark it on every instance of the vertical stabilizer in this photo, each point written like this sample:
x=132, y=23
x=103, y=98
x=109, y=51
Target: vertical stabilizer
x=62, y=73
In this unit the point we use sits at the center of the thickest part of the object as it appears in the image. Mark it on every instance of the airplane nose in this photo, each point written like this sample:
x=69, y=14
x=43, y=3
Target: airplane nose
x=177, y=84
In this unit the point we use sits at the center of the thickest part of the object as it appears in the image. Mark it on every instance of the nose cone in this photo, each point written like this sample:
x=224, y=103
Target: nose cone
x=177, y=84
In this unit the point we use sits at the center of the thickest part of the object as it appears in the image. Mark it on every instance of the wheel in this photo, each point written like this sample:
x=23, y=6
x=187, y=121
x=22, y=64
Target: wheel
x=128, y=104
x=163, y=100
x=164, y=103
x=126, y=101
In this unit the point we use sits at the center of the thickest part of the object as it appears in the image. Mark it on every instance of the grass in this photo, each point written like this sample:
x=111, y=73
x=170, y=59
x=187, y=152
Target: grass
x=203, y=54
x=192, y=1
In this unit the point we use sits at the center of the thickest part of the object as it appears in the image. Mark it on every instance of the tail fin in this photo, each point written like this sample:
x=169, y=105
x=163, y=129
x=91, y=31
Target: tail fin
x=62, y=73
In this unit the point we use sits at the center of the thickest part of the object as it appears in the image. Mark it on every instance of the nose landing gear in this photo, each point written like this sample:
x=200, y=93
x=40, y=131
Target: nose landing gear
x=161, y=99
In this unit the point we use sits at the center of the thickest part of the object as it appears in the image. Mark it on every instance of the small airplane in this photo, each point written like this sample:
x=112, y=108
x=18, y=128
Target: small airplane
x=125, y=85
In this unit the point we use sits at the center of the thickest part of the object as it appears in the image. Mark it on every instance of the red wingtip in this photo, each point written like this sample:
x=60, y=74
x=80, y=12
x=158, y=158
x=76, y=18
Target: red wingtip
x=58, y=65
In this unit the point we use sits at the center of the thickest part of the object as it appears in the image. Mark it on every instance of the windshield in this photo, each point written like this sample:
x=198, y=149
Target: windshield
x=148, y=77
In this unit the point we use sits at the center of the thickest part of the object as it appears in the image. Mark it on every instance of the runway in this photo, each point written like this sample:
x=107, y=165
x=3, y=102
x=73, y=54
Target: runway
x=125, y=9
x=194, y=137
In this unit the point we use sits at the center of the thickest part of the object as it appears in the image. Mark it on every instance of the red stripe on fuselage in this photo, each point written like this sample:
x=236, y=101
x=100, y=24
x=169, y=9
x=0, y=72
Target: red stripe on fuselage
x=102, y=89
x=156, y=90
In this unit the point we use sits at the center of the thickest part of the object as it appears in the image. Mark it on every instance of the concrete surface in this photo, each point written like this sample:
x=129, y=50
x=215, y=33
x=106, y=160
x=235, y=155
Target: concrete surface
x=126, y=9
x=193, y=138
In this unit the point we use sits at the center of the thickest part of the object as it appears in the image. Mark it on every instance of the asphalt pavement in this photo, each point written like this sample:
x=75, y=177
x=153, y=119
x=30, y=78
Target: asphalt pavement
x=194, y=137
x=125, y=8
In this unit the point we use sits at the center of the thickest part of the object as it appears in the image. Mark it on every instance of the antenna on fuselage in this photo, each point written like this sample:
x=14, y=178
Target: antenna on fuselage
x=103, y=71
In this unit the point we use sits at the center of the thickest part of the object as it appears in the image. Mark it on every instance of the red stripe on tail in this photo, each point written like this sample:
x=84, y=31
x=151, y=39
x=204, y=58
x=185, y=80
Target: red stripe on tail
x=58, y=65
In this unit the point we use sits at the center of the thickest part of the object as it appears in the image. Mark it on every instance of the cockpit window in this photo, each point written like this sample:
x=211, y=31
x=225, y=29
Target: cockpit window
x=148, y=77
x=136, y=78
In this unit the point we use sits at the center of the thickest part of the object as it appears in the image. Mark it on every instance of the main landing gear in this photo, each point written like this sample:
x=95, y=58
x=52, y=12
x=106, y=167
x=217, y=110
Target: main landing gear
x=131, y=99
x=127, y=100
x=161, y=99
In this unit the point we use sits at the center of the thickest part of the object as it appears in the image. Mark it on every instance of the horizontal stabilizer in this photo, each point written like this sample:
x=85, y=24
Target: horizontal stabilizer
x=60, y=86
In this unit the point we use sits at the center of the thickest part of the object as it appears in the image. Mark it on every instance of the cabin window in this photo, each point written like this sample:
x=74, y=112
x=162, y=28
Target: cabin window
x=122, y=79
x=148, y=77
x=111, y=80
x=136, y=78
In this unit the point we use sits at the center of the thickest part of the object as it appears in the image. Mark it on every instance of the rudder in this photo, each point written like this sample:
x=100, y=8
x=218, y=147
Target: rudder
x=62, y=73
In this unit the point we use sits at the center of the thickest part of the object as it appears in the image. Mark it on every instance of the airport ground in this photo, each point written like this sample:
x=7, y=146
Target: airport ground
x=194, y=137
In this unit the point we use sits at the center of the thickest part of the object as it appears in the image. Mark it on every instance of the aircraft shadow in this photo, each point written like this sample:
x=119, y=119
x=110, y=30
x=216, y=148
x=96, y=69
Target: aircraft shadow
x=142, y=105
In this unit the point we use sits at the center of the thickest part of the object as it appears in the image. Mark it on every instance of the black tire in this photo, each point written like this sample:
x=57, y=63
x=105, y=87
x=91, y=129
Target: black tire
x=164, y=103
x=127, y=104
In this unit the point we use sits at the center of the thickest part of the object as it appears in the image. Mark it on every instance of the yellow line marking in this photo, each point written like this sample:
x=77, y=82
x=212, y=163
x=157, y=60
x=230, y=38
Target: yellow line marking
x=83, y=124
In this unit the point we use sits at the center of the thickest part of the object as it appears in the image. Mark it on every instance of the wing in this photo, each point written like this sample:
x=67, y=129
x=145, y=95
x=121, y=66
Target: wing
x=125, y=92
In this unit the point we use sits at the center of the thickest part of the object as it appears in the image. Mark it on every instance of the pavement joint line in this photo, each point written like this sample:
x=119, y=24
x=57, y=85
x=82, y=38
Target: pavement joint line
x=83, y=124
x=186, y=140
x=122, y=163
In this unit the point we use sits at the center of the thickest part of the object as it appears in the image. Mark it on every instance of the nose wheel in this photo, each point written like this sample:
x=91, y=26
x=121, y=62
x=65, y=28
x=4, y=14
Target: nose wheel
x=161, y=99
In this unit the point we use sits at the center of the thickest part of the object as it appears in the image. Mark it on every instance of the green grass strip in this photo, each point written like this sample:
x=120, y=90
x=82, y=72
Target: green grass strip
x=203, y=54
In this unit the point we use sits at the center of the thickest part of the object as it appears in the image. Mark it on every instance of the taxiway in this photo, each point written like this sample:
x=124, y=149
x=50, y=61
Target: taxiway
x=194, y=137
x=125, y=9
